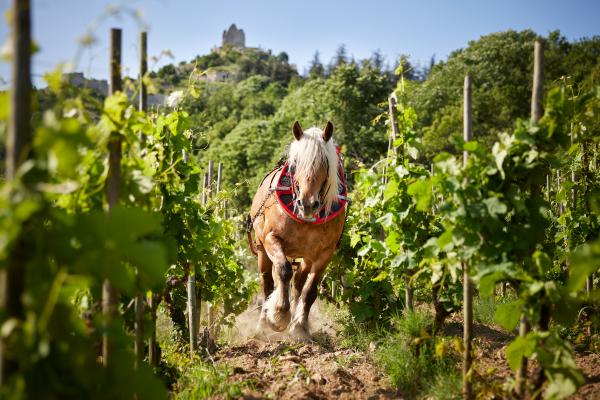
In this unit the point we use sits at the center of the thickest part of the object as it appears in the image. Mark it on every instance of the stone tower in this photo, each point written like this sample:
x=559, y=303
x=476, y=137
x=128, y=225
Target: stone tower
x=234, y=37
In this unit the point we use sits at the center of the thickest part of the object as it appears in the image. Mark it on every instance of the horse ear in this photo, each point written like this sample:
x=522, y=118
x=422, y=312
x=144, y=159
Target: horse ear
x=328, y=131
x=297, y=131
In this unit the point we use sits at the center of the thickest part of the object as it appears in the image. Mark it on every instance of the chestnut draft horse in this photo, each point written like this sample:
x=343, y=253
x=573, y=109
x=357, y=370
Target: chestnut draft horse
x=310, y=231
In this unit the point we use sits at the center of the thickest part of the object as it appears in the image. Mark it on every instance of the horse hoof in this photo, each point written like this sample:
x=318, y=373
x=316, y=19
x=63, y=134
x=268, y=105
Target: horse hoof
x=300, y=333
x=277, y=317
x=279, y=321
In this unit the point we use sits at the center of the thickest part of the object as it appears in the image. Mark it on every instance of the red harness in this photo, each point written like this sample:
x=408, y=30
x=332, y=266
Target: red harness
x=284, y=191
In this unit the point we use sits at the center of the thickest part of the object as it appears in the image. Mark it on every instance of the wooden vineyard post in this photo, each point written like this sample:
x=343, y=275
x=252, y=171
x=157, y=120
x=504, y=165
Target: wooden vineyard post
x=113, y=182
x=195, y=302
x=143, y=71
x=143, y=105
x=153, y=353
x=573, y=175
x=561, y=207
x=139, y=299
x=204, y=190
x=589, y=284
x=585, y=173
x=392, y=101
x=211, y=174
x=567, y=243
x=393, y=133
x=408, y=294
x=467, y=289
x=210, y=306
x=537, y=93
x=537, y=96
x=205, y=199
x=12, y=279
x=219, y=177
x=192, y=310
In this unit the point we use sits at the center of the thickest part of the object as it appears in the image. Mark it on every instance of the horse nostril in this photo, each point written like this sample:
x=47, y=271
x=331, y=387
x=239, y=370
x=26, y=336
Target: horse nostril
x=309, y=205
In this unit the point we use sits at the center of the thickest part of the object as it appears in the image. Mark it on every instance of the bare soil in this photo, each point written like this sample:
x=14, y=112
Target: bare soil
x=276, y=367
x=288, y=370
x=492, y=366
x=279, y=368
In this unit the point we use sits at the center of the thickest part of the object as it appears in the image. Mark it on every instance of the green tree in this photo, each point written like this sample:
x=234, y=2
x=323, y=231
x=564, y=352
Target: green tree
x=500, y=65
x=316, y=68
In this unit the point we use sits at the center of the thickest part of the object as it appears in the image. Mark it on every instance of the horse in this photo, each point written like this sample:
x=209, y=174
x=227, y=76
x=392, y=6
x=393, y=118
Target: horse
x=280, y=237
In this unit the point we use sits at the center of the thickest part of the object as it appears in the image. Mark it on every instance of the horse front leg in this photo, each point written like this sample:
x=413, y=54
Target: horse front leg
x=265, y=266
x=299, y=280
x=299, y=325
x=276, y=309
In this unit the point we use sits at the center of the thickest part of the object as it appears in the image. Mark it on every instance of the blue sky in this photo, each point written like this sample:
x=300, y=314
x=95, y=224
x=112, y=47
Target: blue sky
x=188, y=28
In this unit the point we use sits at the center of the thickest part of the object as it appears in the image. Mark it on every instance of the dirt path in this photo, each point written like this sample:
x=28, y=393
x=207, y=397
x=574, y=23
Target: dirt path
x=279, y=368
x=288, y=370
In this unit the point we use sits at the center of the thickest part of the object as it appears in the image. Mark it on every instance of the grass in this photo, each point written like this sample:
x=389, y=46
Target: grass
x=352, y=334
x=203, y=380
x=418, y=364
x=192, y=378
x=445, y=386
x=484, y=308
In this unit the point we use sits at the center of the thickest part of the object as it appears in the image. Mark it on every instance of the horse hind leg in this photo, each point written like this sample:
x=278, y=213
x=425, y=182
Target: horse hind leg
x=276, y=308
x=299, y=325
x=298, y=282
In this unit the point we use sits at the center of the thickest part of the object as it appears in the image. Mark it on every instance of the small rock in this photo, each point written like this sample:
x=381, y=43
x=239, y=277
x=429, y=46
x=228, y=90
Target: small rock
x=318, y=379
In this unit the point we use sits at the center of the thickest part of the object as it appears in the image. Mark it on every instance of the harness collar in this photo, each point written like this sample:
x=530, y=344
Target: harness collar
x=286, y=195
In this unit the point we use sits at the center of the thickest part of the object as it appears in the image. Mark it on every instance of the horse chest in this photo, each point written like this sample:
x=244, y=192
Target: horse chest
x=308, y=240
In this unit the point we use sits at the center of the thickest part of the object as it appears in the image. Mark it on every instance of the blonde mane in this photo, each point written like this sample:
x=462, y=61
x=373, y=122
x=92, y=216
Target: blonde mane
x=309, y=154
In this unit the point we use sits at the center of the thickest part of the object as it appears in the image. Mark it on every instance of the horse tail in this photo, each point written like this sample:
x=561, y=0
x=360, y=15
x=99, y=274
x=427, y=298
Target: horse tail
x=250, y=240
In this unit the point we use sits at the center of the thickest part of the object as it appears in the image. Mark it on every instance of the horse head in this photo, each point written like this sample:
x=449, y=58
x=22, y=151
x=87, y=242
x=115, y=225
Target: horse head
x=313, y=157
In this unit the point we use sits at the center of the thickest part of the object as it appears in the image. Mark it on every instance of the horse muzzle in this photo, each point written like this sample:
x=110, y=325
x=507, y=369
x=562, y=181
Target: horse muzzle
x=307, y=208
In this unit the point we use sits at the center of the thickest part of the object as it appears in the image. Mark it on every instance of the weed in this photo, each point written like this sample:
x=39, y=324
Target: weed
x=445, y=385
x=347, y=361
x=202, y=380
x=413, y=324
x=353, y=334
x=484, y=308
x=417, y=363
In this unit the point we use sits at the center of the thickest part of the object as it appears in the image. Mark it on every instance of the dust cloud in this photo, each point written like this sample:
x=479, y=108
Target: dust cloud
x=320, y=320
